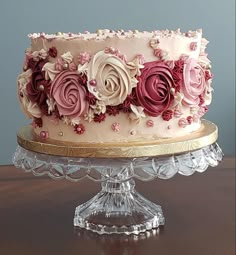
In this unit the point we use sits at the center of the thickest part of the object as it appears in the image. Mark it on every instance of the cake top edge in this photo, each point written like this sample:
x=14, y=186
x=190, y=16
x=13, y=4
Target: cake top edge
x=101, y=34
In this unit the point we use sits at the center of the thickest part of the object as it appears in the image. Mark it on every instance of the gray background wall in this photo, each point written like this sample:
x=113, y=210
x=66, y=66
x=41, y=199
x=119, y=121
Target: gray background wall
x=18, y=18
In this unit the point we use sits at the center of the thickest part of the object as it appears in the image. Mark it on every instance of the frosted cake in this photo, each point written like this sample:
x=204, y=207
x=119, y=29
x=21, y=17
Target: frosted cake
x=115, y=86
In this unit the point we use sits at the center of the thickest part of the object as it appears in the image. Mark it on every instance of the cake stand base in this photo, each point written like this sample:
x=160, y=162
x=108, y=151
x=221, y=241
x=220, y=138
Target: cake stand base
x=118, y=208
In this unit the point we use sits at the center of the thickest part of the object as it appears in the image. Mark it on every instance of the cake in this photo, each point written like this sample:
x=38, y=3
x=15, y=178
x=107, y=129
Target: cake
x=115, y=86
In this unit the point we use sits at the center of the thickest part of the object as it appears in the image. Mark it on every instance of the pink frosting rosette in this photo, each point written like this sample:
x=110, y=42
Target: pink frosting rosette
x=154, y=88
x=110, y=79
x=194, y=83
x=69, y=94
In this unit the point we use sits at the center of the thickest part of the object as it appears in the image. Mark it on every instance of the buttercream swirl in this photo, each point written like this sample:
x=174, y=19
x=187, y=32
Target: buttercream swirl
x=194, y=83
x=69, y=94
x=112, y=78
x=154, y=88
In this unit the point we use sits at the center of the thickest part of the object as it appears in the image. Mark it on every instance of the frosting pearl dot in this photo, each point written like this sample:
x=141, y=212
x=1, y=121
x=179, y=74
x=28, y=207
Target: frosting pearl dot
x=132, y=132
x=65, y=66
x=112, y=50
x=60, y=133
x=44, y=134
x=41, y=87
x=172, y=91
x=93, y=82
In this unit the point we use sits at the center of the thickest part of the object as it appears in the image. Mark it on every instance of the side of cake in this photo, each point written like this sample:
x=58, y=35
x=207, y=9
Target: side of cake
x=113, y=86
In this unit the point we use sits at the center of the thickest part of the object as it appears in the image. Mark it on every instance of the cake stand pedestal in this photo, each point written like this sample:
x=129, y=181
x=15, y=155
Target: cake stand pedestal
x=118, y=207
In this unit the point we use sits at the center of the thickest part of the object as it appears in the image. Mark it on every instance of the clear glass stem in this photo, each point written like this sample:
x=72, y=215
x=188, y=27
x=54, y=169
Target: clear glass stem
x=118, y=208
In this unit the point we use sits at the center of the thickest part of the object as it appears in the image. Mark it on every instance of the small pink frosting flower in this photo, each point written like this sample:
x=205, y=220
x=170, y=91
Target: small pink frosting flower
x=72, y=66
x=69, y=94
x=161, y=54
x=149, y=123
x=59, y=64
x=183, y=122
x=115, y=127
x=202, y=110
x=83, y=58
x=177, y=113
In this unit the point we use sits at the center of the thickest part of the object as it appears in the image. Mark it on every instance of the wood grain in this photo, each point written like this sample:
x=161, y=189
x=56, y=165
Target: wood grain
x=36, y=215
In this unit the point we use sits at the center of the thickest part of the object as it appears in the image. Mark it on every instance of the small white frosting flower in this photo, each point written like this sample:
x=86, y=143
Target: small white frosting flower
x=99, y=107
x=51, y=104
x=75, y=121
x=89, y=116
x=137, y=113
x=67, y=57
x=37, y=55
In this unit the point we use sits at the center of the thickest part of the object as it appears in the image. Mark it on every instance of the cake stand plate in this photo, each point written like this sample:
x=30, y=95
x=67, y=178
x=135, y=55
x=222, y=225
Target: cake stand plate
x=118, y=207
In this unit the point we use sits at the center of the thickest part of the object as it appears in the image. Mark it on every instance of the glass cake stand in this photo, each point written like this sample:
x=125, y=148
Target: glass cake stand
x=118, y=207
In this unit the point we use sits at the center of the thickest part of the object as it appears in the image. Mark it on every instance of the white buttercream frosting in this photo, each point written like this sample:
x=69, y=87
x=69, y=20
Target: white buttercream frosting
x=114, y=78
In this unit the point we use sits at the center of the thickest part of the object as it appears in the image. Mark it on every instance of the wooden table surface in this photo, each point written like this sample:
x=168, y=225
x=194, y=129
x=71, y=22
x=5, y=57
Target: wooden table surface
x=36, y=216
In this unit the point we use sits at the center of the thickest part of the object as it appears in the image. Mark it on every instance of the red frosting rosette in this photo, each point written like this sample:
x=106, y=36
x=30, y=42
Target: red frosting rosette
x=154, y=88
x=69, y=94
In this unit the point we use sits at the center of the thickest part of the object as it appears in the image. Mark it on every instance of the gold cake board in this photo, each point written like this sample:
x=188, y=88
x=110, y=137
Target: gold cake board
x=206, y=135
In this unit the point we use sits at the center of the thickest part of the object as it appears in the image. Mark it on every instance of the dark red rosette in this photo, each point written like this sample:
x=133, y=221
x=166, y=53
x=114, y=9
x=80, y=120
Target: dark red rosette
x=38, y=88
x=52, y=52
x=167, y=115
x=154, y=88
x=99, y=117
x=112, y=110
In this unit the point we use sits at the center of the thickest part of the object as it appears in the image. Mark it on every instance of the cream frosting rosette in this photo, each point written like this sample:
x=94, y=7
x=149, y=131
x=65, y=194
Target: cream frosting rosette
x=110, y=79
